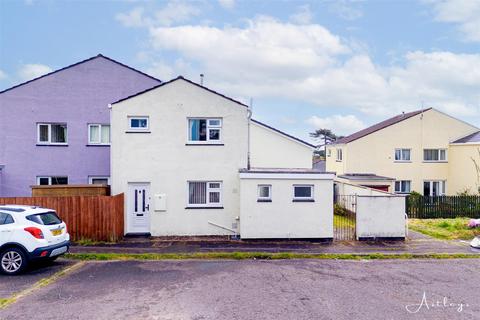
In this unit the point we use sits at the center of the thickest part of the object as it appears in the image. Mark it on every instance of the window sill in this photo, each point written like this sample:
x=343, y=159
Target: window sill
x=137, y=131
x=264, y=200
x=442, y=161
x=204, y=208
x=303, y=200
x=339, y=160
x=97, y=145
x=204, y=144
x=402, y=161
x=51, y=145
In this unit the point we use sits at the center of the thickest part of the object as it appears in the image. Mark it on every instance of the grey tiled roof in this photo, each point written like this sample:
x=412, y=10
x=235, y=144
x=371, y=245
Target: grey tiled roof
x=474, y=137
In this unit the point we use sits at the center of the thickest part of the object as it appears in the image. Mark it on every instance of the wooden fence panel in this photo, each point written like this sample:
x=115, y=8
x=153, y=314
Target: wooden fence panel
x=96, y=218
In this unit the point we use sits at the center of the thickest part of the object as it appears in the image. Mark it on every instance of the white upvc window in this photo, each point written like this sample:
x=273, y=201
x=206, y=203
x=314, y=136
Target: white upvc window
x=434, y=188
x=99, y=134
x=403, y=186
x=204, y=194
x=51, y=180
x=339, y=154
x=402, y=155
x=264, y=193
x=434, y=155
x=52, y=133
x=302, y=192
x=105, y=180
x=205, y=130
x=138, y=123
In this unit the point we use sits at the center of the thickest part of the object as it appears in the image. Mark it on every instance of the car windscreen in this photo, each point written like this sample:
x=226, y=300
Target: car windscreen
x=45, y=218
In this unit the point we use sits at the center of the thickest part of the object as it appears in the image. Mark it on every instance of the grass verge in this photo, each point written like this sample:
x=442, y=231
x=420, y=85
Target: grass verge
x=444, y=229
x=261, y=256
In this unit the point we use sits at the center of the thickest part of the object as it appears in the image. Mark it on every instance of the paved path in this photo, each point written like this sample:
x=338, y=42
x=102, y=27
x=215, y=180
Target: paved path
x=416, y=244
x=288, y=289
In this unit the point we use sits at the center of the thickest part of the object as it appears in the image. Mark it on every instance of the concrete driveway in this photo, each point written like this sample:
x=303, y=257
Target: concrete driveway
x=288, y=289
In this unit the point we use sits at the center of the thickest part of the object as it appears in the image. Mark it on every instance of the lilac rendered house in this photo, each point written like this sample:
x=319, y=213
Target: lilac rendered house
x=55, y=129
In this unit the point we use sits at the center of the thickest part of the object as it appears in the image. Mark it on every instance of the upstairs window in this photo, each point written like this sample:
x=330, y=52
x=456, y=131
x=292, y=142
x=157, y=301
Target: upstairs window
x=264, y=193
x=402, y=155
x=138, y=123
x=205, y=130
x=51, y=180
x=204, y=194
x=99, y=134
x=339, y=154
x=434, y=155
x=51, y=133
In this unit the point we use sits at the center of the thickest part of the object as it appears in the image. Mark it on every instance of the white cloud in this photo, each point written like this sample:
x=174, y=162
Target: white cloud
x=31, y=71
x=227, y=4
x=3, y=75
x=267, y=58
x=465, y=13
x=302, y=16
x=338, y=124
x=175, y=11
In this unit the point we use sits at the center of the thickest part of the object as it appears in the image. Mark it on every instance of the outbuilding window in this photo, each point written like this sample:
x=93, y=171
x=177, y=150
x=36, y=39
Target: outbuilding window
x=303, y=193
x=204, y=194
x=264, y=193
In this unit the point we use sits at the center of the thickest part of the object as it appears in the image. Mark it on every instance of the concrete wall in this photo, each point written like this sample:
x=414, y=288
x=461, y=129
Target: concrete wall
x=381, y=217
x=77, y=96
x=271, y=149
x=462, y=173
x=283, y=218
x=374, y=153
x=163, y=159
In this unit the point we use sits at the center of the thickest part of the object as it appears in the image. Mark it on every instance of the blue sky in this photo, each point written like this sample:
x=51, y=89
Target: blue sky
x=336, y=64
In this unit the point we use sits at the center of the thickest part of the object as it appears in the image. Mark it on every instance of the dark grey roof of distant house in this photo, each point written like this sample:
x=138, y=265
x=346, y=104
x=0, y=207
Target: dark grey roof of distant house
x=283, y=170
x=283, y=133
x=363, y=176
x=379, y=126
x=175, y=79
x=76, y=64
x=319, y=165
x=471, y=138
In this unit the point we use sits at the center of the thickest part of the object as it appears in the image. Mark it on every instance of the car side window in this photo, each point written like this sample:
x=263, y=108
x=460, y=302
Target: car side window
x=5, y=218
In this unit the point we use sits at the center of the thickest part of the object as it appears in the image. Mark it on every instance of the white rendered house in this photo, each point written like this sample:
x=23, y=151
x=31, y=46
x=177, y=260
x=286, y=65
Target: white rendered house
x=181, y=154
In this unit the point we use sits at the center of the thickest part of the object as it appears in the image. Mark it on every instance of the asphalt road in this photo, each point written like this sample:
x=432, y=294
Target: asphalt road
x=288, y=289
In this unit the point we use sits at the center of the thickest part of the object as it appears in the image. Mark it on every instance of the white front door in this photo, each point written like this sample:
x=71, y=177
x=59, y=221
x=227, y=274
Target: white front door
x=138, y=208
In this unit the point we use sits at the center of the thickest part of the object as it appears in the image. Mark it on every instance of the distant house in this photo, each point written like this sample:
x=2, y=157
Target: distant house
x=191, y=162
x=55, y=129
x=416, y=151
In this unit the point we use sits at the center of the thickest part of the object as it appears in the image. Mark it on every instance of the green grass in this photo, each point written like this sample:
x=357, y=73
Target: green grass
x=444, y=229
x=260, y=256
x=342, y=221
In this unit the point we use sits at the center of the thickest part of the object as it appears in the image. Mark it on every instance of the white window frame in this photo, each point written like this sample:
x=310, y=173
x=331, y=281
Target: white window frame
x=339, y=152
x=442, y=186
x=91, y=178
x=49, y=142
x=401, y=182
x=209, y=127
x=269, y=198
x=329, y=152
x=130, y=118
x=438, y=154
x=207, y=203
x=402, y=152
x=49, y=179
x=312, y=189
x=99, y=142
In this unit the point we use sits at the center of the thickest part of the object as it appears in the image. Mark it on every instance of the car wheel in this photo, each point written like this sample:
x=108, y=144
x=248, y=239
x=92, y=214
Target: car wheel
x=12, y=261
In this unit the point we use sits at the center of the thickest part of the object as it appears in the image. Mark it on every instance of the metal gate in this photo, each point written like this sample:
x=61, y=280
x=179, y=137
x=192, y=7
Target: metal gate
x=344, y=217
